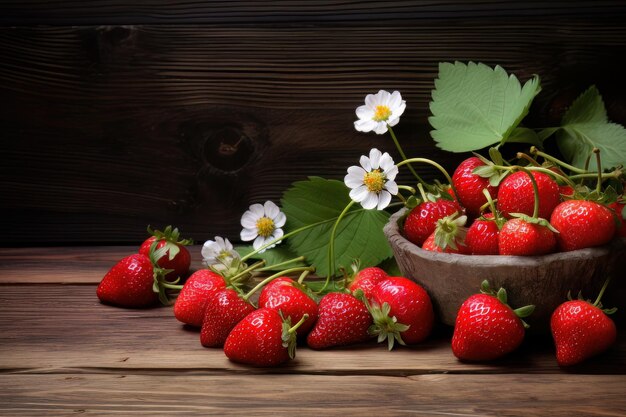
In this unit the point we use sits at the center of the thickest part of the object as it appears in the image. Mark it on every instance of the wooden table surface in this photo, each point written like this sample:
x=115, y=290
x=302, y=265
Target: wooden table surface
x=64, y=353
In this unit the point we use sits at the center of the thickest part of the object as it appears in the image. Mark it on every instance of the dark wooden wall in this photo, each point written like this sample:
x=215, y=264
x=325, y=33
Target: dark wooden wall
x=114, y=116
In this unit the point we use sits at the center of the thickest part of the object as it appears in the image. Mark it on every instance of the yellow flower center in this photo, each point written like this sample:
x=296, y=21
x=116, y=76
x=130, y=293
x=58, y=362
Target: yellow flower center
x=265, y=226
x=382, y=113
x=374, y=180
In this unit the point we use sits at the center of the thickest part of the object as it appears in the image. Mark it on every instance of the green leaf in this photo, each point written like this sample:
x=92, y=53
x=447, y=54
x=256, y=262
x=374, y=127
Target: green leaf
x=525, y=135
x=584, y=126
x=359, y=235
x=475, y=106
x=272, y=256
x=390, y=266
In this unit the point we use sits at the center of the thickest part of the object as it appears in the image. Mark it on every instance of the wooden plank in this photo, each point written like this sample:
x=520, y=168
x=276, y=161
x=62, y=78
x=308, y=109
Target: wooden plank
x=65, y=265
x=64, y=329
x=109, y=128
x=313, y=395
x=162, y=11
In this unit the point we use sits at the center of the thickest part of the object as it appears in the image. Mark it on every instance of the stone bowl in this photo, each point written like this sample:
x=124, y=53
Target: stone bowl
x=543, y=281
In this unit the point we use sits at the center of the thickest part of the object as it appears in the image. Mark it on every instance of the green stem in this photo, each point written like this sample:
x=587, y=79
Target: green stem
x=535, y=189
x=171, y=286
x=331, y=245
x=303, y=275
x=422, y=192
x=272, y=277
x=606, y=284
x=293, y=329
x=546, y=171
x=599, y=182
x=406, y=187
x=247, y=270
x=614, y=174
x=433, y=163
x=403, y=155
x=522, y=155
x=551, y=158
x=290, y=261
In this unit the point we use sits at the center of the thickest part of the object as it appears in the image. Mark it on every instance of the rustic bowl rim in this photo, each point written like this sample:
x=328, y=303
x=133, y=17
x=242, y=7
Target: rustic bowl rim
x=392, y=232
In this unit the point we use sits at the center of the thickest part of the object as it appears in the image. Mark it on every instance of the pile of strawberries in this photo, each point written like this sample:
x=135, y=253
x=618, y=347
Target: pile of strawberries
x=508, y=217
x=372, y=305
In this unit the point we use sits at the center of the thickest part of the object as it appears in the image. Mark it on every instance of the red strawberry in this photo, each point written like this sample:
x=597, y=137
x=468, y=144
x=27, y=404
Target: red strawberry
x=516, y=195
x=581, y=330
x=262, y=338
x=449, y=236
x=192, y=300
x=620, y=214
x=582, y=224
x=285, y=295
x=566, y=190
x=223, y=311
x=482, y=236
x=469, y=186
x=402, y=312
x=523, y=238
x=178, y=258
x=421, y=221
x=367, y=279
x=486, y=327
x=343, y=320
x=130, y=283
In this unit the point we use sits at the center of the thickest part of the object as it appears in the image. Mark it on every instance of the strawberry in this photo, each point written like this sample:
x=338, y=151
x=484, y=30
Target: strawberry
x=566, y=191
x=343, y=320
x=449, y=236
x=178, y=258
x=521, y=237
x=469, y=186
x=262, y=338
x=516, y=195
x=223, y=311
x=486, y=327
x=482, y=236
x=135, y=281
x=192, y=300
x=581, y=330
x=582, y=224
x=619, y=207
x=367, y=279
x=422, y=220
x=402, y=312
x=285, y=295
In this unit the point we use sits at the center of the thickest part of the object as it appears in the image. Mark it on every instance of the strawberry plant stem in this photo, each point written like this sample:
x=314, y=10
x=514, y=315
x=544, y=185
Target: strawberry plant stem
x=247, y=270
x=604, y=286
x=293, y=328
x=290, y=261
x=303, y=275
x=331, y=245
x=433, y=163
x=535, y=189
x=551, y=158
x=403, y=155
x=271, y=277
x=614, y=174
x=598, y=161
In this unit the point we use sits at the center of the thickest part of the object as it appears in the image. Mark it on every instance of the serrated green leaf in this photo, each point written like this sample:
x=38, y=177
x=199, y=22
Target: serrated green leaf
x=474, y=106
x=359, y=235
x=584, y=126
x=525, y=135
x=272, y=256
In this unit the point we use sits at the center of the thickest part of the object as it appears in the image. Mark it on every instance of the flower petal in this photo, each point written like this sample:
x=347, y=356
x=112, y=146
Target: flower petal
x=249, y=219
x=365, y=163
x=375, y=155
x=391, y=173
x=280, y=220
x=386, y=162
x=370, y=201
x=384, y=97
x=364, y=125
x=258, y=242
x=278, y=233
x=400, y=110
x=392, y=187
x=354, y=179
x=227, y=245
x=248, y=234
x=381, y=127
x=365, y=112
x=257, y=210
x=208, y=249
x=359, y=194
x=384, y=198
x=372, y=100
x=271, y=209
x=395, y=100
x=393, y=121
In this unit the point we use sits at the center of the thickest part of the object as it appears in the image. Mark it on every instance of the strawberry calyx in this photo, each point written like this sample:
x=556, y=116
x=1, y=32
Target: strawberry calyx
x=384, y=326
x=534, y=220
x=597, y=303
x=450, y=230
x=496, y=215
x=171, y=236
x=501, y=295
x=289, y=336
x=160, y=284
x=492, y=169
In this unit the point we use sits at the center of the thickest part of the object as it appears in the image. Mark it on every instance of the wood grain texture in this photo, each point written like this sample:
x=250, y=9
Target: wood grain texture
x=65, y=329
x=311, y=395
x=107, y=128
x=164, y=11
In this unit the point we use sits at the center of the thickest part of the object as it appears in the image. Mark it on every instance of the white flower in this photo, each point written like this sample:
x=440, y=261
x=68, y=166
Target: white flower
x=263, y=224
x=219, y=254
x=373, y=183
x=380, y=110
